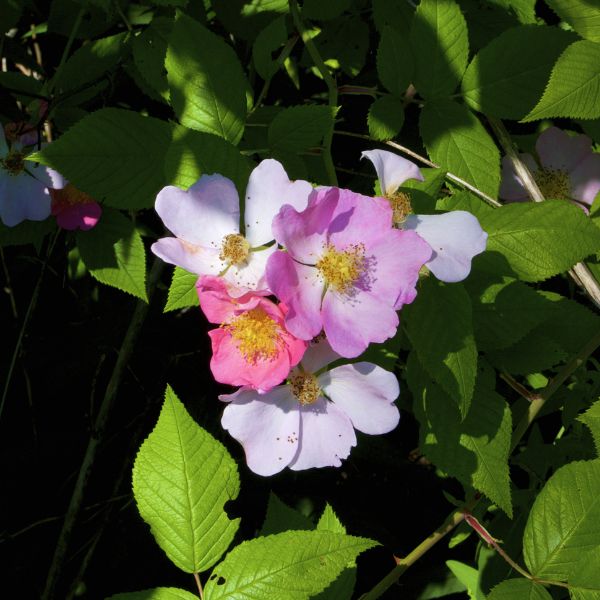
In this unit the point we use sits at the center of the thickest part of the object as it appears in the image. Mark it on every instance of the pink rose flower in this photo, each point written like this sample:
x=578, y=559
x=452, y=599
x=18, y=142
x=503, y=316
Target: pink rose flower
x=74, y=209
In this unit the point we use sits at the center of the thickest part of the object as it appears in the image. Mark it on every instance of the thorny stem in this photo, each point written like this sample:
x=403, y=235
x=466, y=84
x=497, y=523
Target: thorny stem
x=425, y=161
x=331, y=87
x=199, y=584
x=96, y=437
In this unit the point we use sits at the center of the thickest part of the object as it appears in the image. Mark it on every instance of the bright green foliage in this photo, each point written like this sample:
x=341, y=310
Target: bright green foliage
x=280, y=517
x=395, y=61
x=246, y=18
x=208, y=86
x=468, y=576
x=114, y=155
x=537, y=240
x=582, y=15
x=317, y=9
x=272, y=37
x=386, y=117
x=584, y=582
x=564, y=521
x=507, y=77
x=286, y=566
x=113, y=252
x=394, y=13
x=440, y=44
x=182, y=478
x=458, y=142
x=149, y=52
x=463, y=201
x=591, y=418
x=161, y=593
x=300, y=127
x=476, y=450
x=440, y=329
x=574, y=85
x=517, y=589
x=182, y=292
x=193, y=153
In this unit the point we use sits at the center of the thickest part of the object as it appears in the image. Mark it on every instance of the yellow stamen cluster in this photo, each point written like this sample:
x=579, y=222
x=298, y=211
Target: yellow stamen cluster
x=401, y=207
x=305, y=387
x=14, y=163
x=553, y=184
x=258, y=335
x=342, y=268
x=71, y=195
x=235, y=249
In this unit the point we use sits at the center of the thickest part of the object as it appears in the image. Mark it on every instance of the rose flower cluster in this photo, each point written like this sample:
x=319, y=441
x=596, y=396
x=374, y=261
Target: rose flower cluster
x=303, y=279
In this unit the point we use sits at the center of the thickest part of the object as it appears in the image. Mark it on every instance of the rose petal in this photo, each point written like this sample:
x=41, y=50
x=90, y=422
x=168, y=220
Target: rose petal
x=251, y=274
x=22, y=198
x=195, y=259
x=366, y=393
x=560, y=151
x=585, y=179
x=79, y=216
x=318, y=355
x=392, y=170
x=511, y=186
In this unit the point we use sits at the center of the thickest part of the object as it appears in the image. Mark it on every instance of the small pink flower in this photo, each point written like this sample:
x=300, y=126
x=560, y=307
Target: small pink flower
x=74, y=209
x=567, y=169
x=309, y=422
x=252, y=347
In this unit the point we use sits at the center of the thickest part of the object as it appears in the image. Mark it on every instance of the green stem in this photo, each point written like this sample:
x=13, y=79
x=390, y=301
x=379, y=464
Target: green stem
x=329, y=82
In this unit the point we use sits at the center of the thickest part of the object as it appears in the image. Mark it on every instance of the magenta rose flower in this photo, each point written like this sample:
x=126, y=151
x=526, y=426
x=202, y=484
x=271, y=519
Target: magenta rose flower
x=454, y=237
x=309, y=422
x=252, y=346
x=345, y=269
x=73, y=208
x=566, y=169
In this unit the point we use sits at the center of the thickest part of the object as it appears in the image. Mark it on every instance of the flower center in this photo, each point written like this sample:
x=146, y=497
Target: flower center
x=14, y=163
x=342, y=268
x=553, y=184
x=401, y=207
x=235, y=249
x=257, y=335
x=71, y=195
x=305, y=387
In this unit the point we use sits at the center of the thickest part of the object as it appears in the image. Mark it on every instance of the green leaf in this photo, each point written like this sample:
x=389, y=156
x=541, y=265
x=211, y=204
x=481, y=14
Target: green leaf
x=193, y=153
x=564, y=521
x=440, y=328
x=535, y=241
x=300, y=127
x=386, y=117
x=463, y=200
x=271, y=38
x=507, y=77
x=113, y=252
x=519, y=589
x=114, y=155
x=182, y=291
x=584, y=582
x=468, y=576
x=395, y=62
x=286, y=566
x=458, y=142
x=280, y=517
x=246, y=18
x=591, y=418
x=393, y=13
x=329, y=521
x=27, y=232
x=208, y=86
x=574, y=85
x=322, y=11
x=581, y=15
x=440, y=44
x=182, y=477
x=160, y=593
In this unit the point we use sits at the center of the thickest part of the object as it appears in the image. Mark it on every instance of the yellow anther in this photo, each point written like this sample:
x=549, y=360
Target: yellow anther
x=305, y=387
x=235, y=249
x=401, y=207
x=342, y=268
x=14, y=163
x=258, y=335
x=71, y=195
x=553, y=184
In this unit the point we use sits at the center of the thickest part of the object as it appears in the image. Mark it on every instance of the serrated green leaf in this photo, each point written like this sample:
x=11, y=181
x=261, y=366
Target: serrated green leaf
x=458, y=142
x=272, y=37
x=386, y=117
x=537, y=240
x=393, y=13
x=323, y=11
x=329, y=521
x=468, y=576
x=395, y=61
x=582, y=15
x=519, y=589
x=246, y=18
x=584, y=582
x=161, y=593
x=440, y=44
x=286, y=566
x=343, y=44
x=182, y=291
x=574, y=85
x=440, y=328
x=182, y=477
x=507, y=77
x=280, y=517
x=208, y=86
x=564, y=521
x=591, y=418
x=297, y=128
x=463, y=201
x=114, y=254
x=114, y=155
